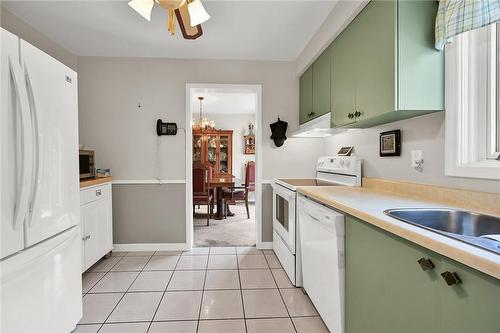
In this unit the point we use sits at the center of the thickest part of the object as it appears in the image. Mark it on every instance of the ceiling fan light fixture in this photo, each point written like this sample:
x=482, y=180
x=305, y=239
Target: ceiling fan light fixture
x=197, y=13
x=143, y=7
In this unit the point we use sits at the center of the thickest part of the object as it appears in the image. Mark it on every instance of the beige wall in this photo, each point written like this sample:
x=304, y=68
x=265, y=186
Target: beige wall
x=110, y=90
x=141, y=214
x=20, y=28
x=423, y=133
x=124, y=137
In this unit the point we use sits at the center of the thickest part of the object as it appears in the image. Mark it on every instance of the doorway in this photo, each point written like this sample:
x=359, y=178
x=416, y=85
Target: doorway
x=223, y=165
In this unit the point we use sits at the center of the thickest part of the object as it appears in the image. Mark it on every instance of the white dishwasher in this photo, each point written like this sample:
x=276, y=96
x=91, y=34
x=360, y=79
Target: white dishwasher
x=321, y=234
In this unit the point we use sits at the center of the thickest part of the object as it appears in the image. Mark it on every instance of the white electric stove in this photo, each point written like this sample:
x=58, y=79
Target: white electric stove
x=330, y=171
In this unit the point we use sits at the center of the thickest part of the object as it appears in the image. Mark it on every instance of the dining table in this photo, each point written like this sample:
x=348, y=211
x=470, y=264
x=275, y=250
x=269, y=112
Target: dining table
x=218, y=184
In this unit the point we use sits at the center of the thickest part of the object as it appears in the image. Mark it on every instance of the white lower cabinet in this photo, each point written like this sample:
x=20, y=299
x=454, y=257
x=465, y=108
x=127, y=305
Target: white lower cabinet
x=96, y=223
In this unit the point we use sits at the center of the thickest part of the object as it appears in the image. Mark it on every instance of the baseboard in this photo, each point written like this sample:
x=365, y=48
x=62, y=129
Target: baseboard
x=150, y=247
x=265, y=245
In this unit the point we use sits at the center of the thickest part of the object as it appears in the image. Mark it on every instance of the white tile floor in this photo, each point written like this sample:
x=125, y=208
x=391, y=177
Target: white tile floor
x=234, y=290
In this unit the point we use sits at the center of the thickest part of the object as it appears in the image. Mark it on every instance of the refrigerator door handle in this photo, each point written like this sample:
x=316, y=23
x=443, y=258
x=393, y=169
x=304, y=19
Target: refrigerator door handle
x=22, y=201
x=36, y=146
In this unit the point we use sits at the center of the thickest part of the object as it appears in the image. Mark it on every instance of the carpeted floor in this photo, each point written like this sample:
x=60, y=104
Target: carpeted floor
x=233, y=231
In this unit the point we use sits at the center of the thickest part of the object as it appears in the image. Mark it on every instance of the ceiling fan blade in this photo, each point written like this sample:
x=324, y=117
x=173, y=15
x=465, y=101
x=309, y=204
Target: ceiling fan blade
x=188, y=32
x=197, y=12
x=143, y=7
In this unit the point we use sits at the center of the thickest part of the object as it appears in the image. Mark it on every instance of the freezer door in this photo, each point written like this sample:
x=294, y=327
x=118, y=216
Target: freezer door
x=52, y=95
x=15, y=148
x=41, y=286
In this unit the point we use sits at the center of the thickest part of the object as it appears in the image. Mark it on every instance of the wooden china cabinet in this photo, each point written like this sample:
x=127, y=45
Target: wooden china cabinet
x=214, y=147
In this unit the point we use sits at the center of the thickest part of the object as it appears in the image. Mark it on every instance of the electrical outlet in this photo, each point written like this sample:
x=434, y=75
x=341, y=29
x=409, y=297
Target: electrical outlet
x=416, y=156
x=417, y=160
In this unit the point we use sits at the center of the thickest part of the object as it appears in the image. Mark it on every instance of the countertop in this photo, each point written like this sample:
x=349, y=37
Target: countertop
x=368, y=204
x=95, y=181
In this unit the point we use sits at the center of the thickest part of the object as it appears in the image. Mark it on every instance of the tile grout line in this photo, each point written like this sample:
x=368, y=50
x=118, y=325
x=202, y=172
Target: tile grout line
x=102, y=277
x=125, y=293
x=203, y=292
x=241, y=291
x=190, y=320
x=282, y=299
x=164, y=292
x=88, y=292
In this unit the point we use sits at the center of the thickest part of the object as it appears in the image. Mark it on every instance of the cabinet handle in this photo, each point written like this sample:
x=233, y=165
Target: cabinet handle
x=310, y=114
x=86, y=238
x=426, y=264
x=451, y=278
x=98, y=192
x=357, y=114
x=350, y=116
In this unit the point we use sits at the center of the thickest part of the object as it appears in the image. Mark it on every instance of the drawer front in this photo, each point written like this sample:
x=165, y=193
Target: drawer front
x=94, y=193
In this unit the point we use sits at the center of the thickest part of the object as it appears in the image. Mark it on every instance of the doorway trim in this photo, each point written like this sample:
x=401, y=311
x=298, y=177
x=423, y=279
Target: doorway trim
x=257, y=90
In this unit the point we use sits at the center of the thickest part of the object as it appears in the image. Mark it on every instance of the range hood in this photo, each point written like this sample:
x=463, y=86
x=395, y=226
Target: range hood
x=317, y=128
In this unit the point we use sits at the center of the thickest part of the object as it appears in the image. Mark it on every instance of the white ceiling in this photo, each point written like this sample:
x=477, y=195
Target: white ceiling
x=250, y=30
x=223, y=101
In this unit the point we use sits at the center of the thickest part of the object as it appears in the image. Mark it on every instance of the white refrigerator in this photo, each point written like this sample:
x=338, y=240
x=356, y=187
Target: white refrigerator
x=40, y=263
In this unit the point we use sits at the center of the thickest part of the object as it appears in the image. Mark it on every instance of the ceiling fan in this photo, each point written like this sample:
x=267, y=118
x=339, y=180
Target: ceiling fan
x=190, y=14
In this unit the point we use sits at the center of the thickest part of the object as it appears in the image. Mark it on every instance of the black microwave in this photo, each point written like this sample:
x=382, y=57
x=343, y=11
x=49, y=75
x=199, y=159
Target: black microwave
x=87, y=166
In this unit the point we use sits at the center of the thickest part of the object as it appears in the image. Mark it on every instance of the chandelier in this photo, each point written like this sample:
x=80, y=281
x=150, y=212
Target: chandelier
x=202, y=122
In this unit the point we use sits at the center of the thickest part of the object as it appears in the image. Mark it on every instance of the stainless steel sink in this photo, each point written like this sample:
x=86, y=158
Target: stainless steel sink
x=476, y=229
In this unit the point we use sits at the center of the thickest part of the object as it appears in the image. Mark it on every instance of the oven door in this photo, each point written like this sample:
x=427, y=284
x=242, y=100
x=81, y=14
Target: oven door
x=87, y=169
x=284, y=215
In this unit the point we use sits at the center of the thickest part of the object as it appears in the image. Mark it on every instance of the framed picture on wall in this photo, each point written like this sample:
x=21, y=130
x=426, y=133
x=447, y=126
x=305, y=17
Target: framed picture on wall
x=390, y=143
x=249, y=145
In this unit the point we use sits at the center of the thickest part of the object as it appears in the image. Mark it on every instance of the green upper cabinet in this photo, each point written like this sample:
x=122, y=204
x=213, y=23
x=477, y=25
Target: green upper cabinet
x=420, y=65
x=343, y=84
x=321, y=84
x=383, y=67
x=306, y=96
x=387, y=290
x=373, y=36
x=315, y=89
x=397, y=71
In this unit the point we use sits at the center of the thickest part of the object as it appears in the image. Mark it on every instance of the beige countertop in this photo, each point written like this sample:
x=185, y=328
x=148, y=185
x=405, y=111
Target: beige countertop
x=95, y=181
x=368, y=204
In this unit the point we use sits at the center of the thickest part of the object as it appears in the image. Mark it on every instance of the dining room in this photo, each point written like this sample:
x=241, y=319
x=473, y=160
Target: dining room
x=223, y=166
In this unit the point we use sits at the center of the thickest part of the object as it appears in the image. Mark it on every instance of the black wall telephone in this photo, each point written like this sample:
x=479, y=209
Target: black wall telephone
x=165, y=128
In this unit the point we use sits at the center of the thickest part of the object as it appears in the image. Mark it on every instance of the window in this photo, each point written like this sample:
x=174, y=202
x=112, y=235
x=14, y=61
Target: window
x=473, y=104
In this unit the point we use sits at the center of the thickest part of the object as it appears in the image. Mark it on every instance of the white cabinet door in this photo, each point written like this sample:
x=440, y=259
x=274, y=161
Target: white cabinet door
x=15, y=148
x=97, y=225
x=52, y=94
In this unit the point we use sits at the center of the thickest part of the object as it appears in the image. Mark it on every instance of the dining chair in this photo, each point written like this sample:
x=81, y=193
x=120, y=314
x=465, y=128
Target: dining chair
x=201, y=192
x=240, y=193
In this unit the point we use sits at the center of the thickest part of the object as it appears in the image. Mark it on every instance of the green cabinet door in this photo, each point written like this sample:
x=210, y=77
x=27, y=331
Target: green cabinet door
x=373, y=31
x=420, y=65
x=471, y=306
x=306, y=95
x=343, y=81
x=321, y=84
x=386, y=289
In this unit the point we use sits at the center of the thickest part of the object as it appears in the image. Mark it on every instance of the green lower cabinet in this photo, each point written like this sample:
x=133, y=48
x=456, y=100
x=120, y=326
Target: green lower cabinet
x=387, y=290
x=472, y=305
